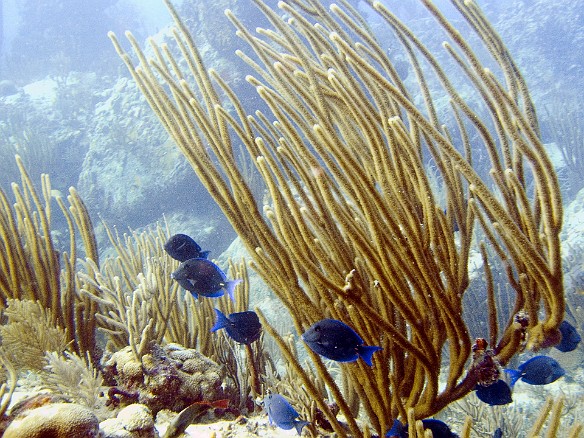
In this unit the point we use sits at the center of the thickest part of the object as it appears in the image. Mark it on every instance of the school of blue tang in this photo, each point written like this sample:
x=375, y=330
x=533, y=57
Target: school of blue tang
x=335, y=340
x=538, y=370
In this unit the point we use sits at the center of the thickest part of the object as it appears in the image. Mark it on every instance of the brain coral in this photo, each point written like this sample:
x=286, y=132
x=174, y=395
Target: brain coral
x=58, y=420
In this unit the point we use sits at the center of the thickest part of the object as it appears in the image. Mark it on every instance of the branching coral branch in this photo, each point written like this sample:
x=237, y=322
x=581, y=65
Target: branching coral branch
x=134, y=291
x=31, y=267
x=73, y=377
x=354, y=228
x=28, y=333
x=7, y=388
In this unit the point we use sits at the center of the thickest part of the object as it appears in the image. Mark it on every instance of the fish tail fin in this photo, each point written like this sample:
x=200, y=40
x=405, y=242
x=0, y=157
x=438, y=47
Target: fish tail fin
x=397, y=430
x=514, y=376
x=222, y=321
x=204, y=254
x=366, y=353
x=230, y=287
x=298, y=425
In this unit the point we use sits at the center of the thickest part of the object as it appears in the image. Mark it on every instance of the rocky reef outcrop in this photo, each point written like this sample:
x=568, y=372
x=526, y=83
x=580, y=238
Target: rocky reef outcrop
x=170, y=377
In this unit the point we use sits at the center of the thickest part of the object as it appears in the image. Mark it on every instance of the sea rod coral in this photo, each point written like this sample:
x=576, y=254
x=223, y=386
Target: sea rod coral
x=32, y=270
x=375, y=204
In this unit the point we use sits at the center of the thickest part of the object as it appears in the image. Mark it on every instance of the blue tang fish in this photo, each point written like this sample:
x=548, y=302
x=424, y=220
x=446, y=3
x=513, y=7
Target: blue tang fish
x=570, y=337
x=498, y=393
x=205, y=278
x=539, y=370
x=242, y=327
x=335, y=340
x=182, y=248
x=439, y=429
x=282, y=414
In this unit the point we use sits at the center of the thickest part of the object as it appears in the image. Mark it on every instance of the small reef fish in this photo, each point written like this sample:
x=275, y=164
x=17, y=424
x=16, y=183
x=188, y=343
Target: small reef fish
x=499, y=393
x=539, y=370
x=439, y=429
x=282, y=414
x=335, y=340
x=205, y=278
x=570, y=337
x=242, y=327
x=182, y=248
x=190, y=414
x=498, y=433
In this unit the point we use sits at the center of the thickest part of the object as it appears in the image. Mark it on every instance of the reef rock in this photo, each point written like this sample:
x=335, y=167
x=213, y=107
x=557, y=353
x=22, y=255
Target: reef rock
x=58, y=420
x=170, y=377
x=134, y=421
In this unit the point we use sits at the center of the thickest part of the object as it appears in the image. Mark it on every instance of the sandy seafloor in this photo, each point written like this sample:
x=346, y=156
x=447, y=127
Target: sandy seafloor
x=256, y=426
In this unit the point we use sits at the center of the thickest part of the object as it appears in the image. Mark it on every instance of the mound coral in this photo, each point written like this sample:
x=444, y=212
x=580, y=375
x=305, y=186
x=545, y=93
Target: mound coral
x=56, y=420
x=169, y=377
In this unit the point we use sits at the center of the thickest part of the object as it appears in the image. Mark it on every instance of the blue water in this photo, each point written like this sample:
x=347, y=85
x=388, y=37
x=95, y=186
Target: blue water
x=65, y=43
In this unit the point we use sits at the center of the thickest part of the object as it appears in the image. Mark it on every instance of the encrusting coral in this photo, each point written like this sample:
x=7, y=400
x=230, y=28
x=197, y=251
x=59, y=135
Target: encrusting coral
x=30, y=318
x=353, y=228
x=169, y=377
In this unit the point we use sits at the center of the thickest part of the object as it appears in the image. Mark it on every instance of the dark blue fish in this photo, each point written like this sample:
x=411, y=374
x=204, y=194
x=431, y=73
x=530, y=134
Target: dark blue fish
x=282, y=414
x=499, y=393
x=182, y=248
x=397, y=430
x=498, y=433
x=454, y=222
x=242, y=327
x=539, y=370
x=335, y=340
x=439, y=429
x=203, y=277
x=570, y=337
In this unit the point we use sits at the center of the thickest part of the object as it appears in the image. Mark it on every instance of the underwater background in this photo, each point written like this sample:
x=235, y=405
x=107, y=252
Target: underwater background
x=69, y=109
